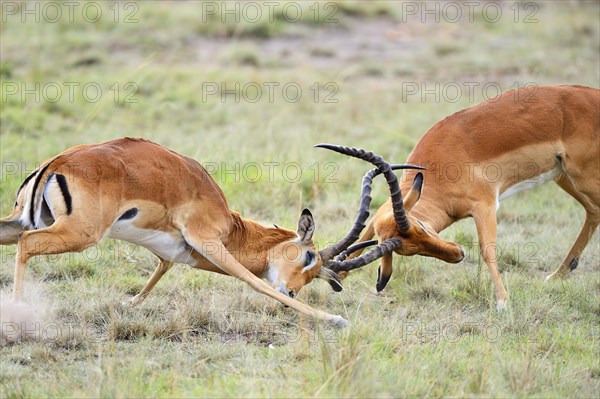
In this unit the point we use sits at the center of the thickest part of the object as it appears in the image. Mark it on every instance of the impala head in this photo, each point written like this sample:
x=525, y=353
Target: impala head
x=405, y=234
x=294, y=263
x=420, y=238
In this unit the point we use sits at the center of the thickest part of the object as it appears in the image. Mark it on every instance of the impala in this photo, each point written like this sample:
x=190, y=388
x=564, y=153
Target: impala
x=137, y=191
x=476, y=158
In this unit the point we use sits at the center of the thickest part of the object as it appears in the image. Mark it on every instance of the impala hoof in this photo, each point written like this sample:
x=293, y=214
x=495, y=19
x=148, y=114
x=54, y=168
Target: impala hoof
x=136, y=300
x=339, y=322
x=555, y=276
x=501, y=305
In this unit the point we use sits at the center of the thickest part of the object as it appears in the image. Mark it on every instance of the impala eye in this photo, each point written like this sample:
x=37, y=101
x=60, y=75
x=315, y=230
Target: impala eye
x=310, y=257
x=421, y=224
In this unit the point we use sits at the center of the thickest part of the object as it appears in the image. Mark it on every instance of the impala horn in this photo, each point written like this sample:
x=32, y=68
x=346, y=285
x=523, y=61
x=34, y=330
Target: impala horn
x=334, y=255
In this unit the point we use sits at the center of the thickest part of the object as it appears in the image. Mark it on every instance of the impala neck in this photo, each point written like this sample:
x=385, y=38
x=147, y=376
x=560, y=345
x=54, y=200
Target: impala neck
x=431, y=210
x=250, y=242
x=431, y=215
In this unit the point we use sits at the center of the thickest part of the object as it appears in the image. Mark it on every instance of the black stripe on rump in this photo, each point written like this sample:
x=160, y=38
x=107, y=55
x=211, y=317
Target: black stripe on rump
x=35, y=186
x=129, y=214
x=64, y=189
x=26, y=181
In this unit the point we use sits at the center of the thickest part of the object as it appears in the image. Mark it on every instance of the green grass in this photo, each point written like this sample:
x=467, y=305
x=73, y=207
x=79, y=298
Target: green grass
x=433, y=332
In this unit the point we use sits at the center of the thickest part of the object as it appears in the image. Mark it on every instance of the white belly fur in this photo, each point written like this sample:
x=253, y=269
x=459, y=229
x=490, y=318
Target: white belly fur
x=530, y=183
x=167, y=246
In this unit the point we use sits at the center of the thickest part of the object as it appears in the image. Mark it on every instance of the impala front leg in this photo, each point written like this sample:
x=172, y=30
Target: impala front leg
x=485, y=220
x=214, y=250
x=384, y=272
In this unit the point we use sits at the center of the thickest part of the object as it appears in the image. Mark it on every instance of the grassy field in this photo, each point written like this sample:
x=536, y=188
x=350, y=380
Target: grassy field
x=176, y=73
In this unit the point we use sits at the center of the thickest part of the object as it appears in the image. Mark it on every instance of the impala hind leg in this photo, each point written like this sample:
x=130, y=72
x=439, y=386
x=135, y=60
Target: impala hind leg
x=161, y=269
x=214, y=250
x=59, y=238
x=485, y=220
x=592, y=219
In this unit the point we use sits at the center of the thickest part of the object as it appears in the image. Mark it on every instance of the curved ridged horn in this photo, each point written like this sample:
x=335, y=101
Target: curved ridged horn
x=386, y=247
x=355, y=247
x=362, y=215
x=359, y=223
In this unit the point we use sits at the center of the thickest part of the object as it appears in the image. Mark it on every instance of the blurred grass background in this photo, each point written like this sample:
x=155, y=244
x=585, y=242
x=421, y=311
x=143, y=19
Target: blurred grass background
x=434, y=332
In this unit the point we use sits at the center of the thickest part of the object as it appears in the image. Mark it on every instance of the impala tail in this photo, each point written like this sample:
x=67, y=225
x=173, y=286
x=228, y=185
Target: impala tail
x=9, y=231
x=12, y=225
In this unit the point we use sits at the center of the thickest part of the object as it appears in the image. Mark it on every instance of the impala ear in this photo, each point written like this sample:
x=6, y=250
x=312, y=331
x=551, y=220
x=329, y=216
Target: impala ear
x=415, y=192
x=306, y=226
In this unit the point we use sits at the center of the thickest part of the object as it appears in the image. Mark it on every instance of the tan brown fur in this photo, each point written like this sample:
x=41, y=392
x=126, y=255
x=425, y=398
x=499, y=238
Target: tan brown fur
x=174, y=195
x=523, y=134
